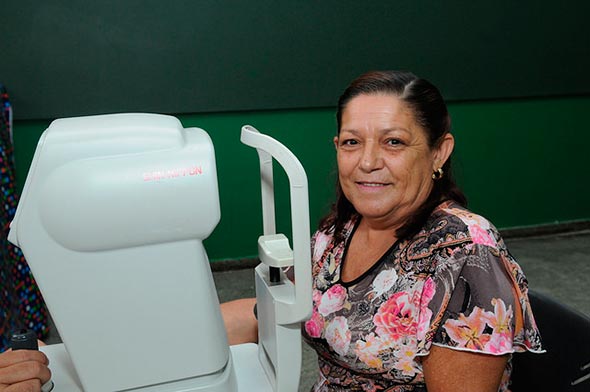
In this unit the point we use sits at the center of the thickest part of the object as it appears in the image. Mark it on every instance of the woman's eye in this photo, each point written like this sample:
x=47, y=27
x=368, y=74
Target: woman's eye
x=349, y=142
x=394, y=142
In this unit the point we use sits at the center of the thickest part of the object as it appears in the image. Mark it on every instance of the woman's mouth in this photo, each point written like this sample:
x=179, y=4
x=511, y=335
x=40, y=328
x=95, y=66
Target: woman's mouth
x=372, y=184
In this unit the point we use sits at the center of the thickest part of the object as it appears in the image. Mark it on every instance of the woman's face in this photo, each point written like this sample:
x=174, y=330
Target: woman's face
x=385, y=165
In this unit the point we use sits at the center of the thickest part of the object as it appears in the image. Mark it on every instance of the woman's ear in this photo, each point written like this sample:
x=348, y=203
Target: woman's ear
x=444, y=150
x=336, y=142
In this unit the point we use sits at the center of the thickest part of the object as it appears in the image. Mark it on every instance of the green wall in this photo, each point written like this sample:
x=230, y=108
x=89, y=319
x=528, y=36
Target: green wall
x=63, y=59
x=521, y=163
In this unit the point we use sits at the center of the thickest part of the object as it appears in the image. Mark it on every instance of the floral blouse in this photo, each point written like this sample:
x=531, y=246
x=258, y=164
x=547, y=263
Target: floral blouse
x=454, y=285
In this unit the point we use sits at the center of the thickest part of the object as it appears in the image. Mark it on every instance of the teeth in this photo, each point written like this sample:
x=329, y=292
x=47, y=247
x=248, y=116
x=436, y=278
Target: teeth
x=371, y=184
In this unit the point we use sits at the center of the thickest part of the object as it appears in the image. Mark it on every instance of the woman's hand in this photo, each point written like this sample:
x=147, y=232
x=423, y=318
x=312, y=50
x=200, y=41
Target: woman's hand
x=451, y=370
x=23, y=371
x=239, y=320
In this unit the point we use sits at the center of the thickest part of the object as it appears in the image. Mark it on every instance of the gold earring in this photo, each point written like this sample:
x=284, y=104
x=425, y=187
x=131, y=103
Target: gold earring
x=438, y=173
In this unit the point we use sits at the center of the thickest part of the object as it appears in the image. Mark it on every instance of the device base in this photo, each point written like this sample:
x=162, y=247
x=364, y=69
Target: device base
x=244, y=363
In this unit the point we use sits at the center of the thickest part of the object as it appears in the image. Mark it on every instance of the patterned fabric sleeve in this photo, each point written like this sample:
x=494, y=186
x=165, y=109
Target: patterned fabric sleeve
x=476, y=301
x=21, y=304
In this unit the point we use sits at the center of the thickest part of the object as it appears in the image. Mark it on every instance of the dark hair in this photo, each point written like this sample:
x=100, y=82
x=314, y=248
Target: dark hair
x=430, y=111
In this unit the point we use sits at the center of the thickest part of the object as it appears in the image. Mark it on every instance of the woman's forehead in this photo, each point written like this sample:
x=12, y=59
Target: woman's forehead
x=384, y=111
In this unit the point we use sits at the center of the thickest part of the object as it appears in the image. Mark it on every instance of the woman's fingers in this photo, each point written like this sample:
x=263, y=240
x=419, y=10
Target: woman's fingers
x=11, y=357
x=21, y=366
x=33, y=385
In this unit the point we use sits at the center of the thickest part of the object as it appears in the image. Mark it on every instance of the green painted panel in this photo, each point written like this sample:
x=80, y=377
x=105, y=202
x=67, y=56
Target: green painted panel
x=62, y=59
x=520, y=162
x=524, y=162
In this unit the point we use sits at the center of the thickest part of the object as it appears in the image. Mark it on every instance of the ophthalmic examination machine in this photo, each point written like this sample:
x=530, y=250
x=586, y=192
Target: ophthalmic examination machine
x=112, y=220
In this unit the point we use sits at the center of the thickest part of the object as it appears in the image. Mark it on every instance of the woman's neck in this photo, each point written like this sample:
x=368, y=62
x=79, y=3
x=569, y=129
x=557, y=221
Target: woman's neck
x=368, y=244
x=372, y=230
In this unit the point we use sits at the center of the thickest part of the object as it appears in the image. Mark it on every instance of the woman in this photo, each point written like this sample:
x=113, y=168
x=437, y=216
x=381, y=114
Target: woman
x=411, y=291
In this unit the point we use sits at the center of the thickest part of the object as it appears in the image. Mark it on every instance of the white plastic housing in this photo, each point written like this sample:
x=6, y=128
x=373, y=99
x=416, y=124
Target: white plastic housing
x=111, y=221
x=282, y=305
x=274, y=250
x=290, y=309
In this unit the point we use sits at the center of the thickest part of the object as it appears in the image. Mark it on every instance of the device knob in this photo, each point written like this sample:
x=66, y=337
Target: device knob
x=24, y=339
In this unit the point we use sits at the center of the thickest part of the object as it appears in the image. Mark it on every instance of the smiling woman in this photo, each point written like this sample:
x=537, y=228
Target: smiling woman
x=411, y=290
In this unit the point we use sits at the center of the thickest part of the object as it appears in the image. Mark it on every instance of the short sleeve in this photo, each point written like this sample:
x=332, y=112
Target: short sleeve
x=477, y=301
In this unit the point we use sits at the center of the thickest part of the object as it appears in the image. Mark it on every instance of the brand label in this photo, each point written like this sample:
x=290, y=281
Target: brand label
x=172, y=173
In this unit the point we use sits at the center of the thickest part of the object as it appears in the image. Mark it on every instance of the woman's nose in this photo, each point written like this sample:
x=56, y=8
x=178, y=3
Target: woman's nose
x=371, y=158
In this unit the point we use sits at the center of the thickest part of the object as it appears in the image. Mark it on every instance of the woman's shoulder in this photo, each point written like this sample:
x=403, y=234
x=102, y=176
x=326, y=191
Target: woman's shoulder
x=450, y=226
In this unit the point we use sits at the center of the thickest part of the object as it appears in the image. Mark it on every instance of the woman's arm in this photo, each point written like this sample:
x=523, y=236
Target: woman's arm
x=239, y=320
x=23, y=371
x=452, y=370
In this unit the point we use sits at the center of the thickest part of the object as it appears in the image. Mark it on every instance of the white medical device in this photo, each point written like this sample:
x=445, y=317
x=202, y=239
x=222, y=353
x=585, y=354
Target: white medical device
x=111, y=221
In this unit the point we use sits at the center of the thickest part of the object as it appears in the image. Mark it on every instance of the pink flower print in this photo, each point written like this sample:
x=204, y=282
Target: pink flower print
x=423, y=323
x=468, y=331
x=498, y=344
x=396, y=317
x=501, y=322
x=500, y=319
x=478, y=226
x=315, y=325
x=428, y=291
x=406, y=350
x=320, y=244
x=469, y=218
x=368, y=351
x=481, y=236
x=407, y=367
x=405, y=354
x=332, y=300
x=384, y=281
x=316, y=296
x=338, y=335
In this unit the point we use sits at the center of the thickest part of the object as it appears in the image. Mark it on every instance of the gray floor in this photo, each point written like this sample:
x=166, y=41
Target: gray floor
x=558, y=265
